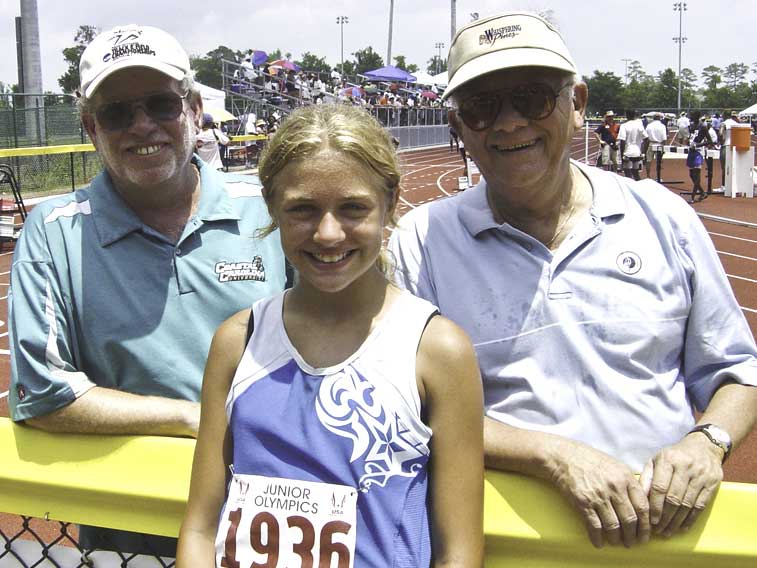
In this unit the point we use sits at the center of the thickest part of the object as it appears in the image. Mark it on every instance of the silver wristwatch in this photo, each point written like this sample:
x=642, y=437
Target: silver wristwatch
x=717, y=436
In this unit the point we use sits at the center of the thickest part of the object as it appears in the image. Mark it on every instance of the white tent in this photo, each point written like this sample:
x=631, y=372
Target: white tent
x=749, y=111
x=440, y=79
x=212, y=98
x=423, y=78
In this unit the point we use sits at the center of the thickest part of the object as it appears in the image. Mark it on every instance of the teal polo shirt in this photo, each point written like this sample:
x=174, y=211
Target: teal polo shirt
x=99, y=298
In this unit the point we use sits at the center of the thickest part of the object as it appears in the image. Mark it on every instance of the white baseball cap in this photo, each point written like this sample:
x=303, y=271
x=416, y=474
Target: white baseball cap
x=518, y=39
x=131, y=46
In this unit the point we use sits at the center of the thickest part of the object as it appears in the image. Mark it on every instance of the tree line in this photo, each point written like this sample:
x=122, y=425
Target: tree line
x=728, y=87
x=721, y=88
x=208, y=67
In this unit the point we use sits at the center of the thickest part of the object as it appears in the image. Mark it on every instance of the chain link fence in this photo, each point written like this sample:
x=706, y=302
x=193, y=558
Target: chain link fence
x=39, y=120
x=45, y=120
x=28, y=542
x=54, y=173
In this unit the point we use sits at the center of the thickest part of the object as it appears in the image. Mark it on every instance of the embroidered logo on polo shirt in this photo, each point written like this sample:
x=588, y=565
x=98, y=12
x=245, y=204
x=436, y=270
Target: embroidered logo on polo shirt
x=236, y=271
x=628, y=262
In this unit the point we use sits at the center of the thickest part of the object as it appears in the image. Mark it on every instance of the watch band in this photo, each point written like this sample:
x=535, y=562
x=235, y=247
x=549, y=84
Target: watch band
x=717, y=436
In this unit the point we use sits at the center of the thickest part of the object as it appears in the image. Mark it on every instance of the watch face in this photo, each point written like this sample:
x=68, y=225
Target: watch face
x=720, y=435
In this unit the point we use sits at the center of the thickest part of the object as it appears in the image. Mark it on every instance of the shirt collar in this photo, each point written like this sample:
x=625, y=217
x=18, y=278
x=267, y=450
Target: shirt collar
x=215, y=202
x=114, y=219
x=609, y=198
x=474, y=211
x=476, y=215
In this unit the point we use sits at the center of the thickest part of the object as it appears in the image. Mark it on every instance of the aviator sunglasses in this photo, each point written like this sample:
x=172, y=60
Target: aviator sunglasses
x=534, y=101
x=119, y=115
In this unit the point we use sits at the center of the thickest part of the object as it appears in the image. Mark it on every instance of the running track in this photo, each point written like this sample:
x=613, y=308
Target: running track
x=432, y=173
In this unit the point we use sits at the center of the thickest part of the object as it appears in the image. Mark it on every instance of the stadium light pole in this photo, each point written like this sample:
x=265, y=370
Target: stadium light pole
x=626, y=62
x=679, y=7
x=452, y=20
x=341, y=20
x=439, y=46
x=391, y=25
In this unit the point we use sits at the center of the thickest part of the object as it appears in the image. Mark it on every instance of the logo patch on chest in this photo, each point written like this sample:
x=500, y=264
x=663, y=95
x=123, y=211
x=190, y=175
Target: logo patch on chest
x=236, y=271
x=628, y=262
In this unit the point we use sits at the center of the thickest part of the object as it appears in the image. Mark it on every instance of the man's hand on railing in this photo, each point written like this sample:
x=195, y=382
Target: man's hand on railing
x=681, y=481
x=605, y=492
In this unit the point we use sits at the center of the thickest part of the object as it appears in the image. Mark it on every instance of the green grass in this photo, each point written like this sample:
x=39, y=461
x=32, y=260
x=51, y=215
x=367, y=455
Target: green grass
x=43, y=175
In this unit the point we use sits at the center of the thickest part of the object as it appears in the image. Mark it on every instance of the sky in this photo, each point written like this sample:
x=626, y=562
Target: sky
x=600, y=35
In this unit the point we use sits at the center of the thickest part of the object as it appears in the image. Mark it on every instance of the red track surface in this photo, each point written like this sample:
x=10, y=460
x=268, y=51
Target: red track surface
x=431, y=174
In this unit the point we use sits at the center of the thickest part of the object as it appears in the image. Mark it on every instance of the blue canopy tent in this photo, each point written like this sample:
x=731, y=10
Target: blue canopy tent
x=389, y=73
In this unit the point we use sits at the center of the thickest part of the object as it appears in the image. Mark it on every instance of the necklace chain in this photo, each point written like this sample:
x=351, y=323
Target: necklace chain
x=562, y=225
x=500, y=218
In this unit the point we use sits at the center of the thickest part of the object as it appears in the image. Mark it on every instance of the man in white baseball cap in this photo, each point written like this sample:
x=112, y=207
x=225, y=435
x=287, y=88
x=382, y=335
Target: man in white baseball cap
x=588, y=296
x=130, y=47
x=117, y=289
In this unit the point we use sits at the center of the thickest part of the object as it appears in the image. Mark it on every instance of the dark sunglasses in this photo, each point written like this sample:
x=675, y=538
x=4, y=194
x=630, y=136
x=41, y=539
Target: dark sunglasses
x=119, y=115
x=534, y=101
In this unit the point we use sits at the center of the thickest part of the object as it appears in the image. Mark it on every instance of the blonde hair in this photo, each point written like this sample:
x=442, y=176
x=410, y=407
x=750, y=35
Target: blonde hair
x=348, y=130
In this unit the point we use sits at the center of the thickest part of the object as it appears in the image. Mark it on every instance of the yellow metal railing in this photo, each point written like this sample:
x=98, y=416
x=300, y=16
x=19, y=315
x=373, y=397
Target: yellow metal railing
x=77, y=148
x=141, y=484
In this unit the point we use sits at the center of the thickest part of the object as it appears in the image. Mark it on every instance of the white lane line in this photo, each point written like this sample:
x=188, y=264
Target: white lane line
x=406, y=202
x=4, y=273
x=4, y=352
x=4, y=334
x=741, y=278
x=732, y=237
x=3, y=297
x=3, y=395
x=738, y=255
x=439, y=182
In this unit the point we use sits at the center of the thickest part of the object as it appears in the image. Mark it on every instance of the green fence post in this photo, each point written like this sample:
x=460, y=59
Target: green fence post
x=73, y=185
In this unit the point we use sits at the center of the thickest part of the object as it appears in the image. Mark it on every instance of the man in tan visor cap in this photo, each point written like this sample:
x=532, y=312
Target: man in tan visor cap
x=589, y=298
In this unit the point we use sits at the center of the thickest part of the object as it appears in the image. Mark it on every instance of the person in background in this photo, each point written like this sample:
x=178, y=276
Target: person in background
x=225, y=147
x=607, y=134
x=724, y=138
x=601, y=315
x=336, y=78
x=116, y=289
x=250, y=155
x=700, y=141
x=248, y=69
x=210, y=140
x=633, y=140
x=336, y=387
x=261, y=127
x=318, y=86
x=716, y=120
x=453, y=138
x=684, y=132
x=657, y=136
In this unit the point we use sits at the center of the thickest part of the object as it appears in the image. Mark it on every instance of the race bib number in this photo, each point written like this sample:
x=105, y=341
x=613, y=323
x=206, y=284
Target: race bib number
x=285, y=523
